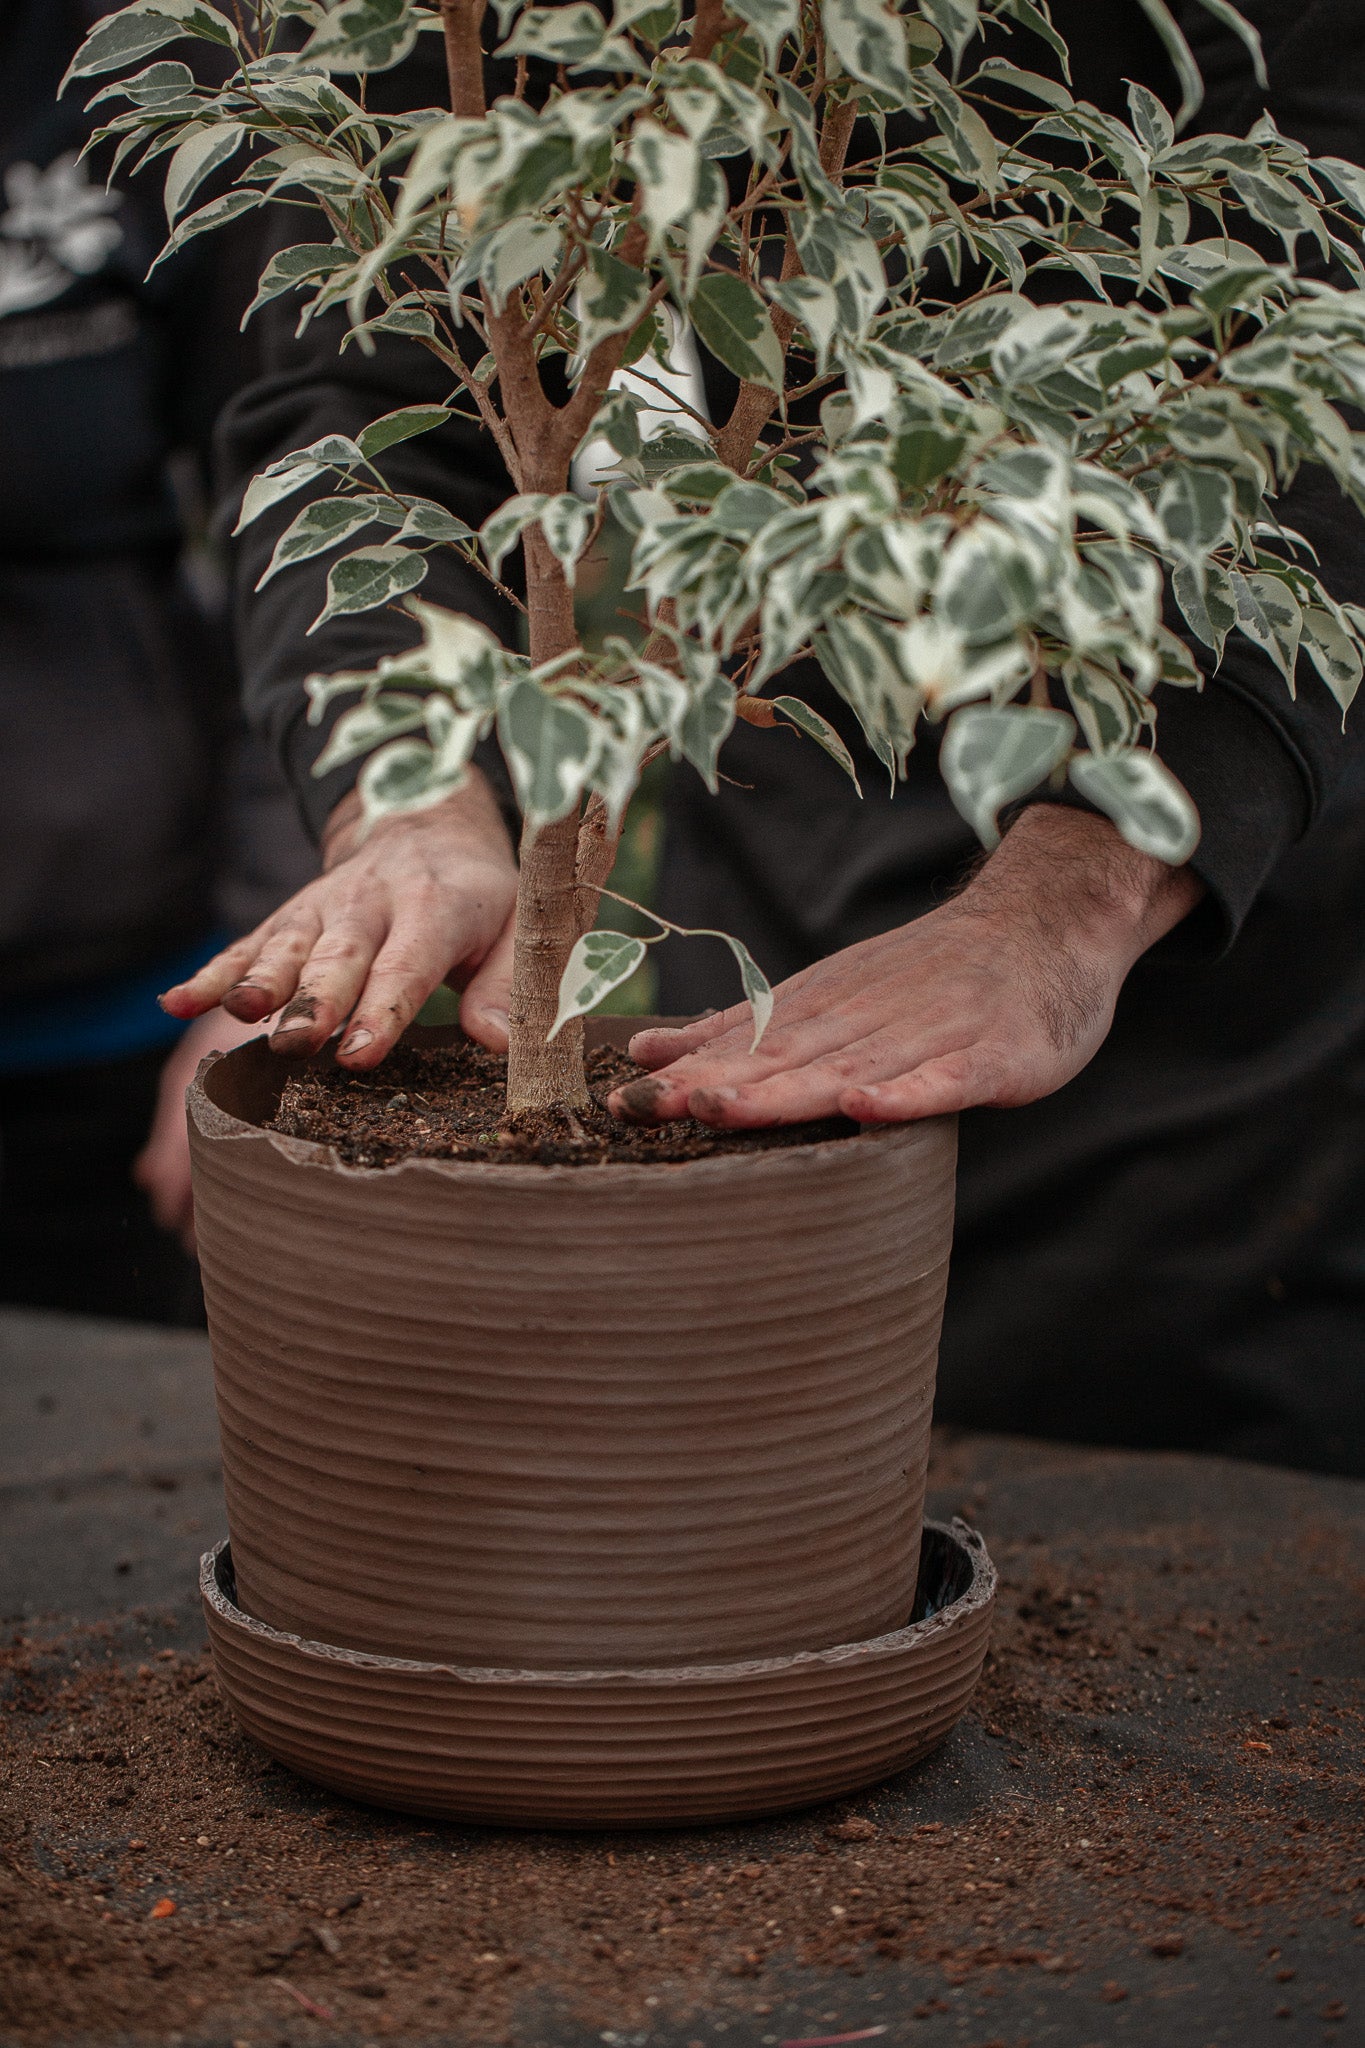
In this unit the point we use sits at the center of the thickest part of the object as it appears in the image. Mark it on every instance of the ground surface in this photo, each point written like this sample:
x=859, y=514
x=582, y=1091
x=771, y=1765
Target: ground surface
x=1148, y=1831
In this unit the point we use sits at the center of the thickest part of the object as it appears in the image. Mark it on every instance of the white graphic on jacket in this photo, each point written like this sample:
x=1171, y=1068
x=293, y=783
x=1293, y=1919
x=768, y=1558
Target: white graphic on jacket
x=57, y=227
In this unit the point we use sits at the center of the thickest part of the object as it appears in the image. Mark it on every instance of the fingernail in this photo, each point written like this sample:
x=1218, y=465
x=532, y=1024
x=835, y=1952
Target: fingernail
x=241, y=988
x=355, y=1042
x=496, y=1017
x=286, y=1036
x=716, y=1095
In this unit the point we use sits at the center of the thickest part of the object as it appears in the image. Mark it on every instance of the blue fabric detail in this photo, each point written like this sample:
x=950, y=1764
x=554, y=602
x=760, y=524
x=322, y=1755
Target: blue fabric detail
x=107, y=1020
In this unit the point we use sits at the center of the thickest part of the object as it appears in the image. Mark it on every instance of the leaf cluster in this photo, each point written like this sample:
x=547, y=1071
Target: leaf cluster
x=1008, y=369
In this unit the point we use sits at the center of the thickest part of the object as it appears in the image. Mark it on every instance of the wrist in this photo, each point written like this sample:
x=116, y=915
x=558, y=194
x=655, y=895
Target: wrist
x=1074, y=870
x=473, y=806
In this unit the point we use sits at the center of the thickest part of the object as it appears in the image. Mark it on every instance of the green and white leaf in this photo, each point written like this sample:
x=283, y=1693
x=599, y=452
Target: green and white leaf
x=666, y=167
x=1333, y=652
x=757, y=988
x=121, y=38
x=228, y=206
x=502, y=530
x=369, y=577
x=821, y=731
x=549, y=745
x=292, y=472
x=326, y=525
x=1151, y=809
x=732, y=321
x=770, y=20
x=398, y=426
x=360, y=731
x=612, y=296
x=203, y=151
x=364, y=35
x=403, y=776
x=991, y=758
x=599, y=963
x=566, y=521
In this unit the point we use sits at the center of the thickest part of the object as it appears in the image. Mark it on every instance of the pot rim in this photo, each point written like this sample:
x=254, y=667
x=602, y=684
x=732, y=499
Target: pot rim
x=215, y=1123
x=978, y=1593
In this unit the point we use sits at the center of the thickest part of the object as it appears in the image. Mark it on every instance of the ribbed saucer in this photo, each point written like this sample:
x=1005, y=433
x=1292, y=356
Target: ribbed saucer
x=612, y=1749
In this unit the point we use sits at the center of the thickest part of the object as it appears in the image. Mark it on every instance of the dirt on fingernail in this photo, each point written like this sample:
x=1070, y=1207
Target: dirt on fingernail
x=302, y=1009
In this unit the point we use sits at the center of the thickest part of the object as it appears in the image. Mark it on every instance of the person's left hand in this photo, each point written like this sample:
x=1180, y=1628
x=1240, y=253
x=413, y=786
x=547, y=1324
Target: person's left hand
x=999, y=996
x=162, y=1167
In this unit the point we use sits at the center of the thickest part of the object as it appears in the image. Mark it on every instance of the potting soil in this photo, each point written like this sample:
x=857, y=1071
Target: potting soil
x=449, y=1104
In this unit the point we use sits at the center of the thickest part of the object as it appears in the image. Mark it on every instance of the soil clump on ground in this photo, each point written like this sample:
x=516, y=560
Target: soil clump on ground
x=450, y=1104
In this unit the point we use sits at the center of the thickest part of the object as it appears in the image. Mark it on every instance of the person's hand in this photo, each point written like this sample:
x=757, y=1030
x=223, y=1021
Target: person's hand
x=1000, y=996
x=162, y=1167
x=420, y=899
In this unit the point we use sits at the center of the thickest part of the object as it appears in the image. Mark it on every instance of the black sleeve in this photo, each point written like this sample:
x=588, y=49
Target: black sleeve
x=307, y=388
x=310, y=389
x=1260, y=764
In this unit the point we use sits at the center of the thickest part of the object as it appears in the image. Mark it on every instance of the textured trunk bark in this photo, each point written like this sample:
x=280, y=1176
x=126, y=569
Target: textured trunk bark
x=541, y=1075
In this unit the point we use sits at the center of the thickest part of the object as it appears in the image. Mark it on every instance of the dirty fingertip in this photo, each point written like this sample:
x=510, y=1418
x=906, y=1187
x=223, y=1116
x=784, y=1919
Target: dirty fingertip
x=640, y=1102
x=248, y=1002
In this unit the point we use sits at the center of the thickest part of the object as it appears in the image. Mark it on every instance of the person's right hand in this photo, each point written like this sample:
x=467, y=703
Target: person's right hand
x=422, y=897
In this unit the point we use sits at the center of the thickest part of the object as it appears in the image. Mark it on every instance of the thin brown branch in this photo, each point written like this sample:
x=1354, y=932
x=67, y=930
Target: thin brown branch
x=594, y=861
x=755, y=405
x=462, y=23
x=708, y=25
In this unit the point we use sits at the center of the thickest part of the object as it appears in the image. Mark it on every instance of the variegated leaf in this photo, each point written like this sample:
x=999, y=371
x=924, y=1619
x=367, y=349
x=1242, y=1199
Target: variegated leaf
x=599, y=963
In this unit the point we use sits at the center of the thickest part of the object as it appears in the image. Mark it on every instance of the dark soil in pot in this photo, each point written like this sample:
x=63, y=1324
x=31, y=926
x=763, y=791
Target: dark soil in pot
x=448, y=1104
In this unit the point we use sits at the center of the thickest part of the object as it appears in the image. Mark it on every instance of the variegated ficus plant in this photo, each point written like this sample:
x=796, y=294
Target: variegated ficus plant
x=1008, y=368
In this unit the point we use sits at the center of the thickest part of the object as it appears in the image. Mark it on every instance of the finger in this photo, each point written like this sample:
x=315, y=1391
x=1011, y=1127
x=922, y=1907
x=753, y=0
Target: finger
x=206, y=989
x=329, y=984
x=484, y=1007
x=969, y=1079
x=728, y=1064
x=413, y=960
x=803, y=1093
x=270, y=975
x=660, y=1044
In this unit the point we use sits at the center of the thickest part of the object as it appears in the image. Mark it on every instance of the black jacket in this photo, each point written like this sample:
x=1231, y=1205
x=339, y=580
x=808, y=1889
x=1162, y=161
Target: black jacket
x=1171, y=1249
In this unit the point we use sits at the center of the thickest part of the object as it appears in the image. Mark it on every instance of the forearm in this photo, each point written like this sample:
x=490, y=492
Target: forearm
x=1069, y=874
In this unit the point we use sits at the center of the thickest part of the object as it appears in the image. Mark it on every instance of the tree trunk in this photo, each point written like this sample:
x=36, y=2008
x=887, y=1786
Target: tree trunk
x=542, y=1075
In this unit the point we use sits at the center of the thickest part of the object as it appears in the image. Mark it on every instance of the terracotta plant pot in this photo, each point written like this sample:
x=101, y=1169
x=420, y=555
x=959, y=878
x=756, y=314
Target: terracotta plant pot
x=556, y=1419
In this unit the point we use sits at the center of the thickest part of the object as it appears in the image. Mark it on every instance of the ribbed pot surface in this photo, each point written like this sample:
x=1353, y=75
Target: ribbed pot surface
x=608, y=1749
x=558, y=1417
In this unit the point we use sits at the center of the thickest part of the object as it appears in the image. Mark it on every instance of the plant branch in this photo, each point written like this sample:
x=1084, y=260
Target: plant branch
x=756, y=402
x=462, y=24
x=708, y=25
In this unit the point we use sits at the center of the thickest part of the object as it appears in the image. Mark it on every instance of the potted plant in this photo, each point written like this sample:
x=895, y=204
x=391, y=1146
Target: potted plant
x=641, y=1451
